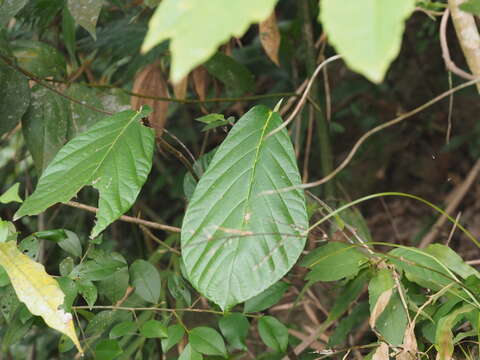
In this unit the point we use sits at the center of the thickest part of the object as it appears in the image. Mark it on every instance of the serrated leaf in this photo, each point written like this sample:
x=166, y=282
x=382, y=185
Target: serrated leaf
x=207, y=341
x=273, y=333
x=267, y=298
x=37, y=290
x=255, y=239
x=85, y=13
x=187, y=23
x=11, y=195
x=114, y=156
x=367, y=33
x=146, y=280
x=14, y=97
x=174, y=335
x=333, y=261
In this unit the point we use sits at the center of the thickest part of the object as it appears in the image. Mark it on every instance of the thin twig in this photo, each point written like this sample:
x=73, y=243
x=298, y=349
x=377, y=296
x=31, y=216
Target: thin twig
x=376, y=129
x=159, y=241
x=129, y=219
x=303, y=99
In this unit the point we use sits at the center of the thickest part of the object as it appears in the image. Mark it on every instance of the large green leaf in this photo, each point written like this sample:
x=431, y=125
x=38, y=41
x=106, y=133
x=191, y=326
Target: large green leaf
x=230, y=269
x=367, y=33
x=14, y=98
x=114, y=156
x=196, y=28
x=45, y=126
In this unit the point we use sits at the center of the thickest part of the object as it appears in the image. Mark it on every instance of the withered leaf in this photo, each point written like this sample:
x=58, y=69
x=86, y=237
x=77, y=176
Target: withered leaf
x=270, y=37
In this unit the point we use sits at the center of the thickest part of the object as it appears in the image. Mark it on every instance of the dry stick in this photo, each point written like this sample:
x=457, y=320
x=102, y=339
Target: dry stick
x=360, y=141
x=129, y=219
x=303, y=99
x=459, y=194
x=446, y=52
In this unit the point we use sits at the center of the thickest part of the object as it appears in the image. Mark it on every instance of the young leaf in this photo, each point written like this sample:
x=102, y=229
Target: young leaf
x=333, y=261
x=14, y=96
x=207, y=341
x=37, y=290
x=85, y=13
x=174, y=335
x=267, y=298
x=192, y=40
x=371, y=50
x=235, y=329
x=153, y=329
x=273, y=333
x=114, y=156
x=268, y=227
x=146, y=280
x=189, y=353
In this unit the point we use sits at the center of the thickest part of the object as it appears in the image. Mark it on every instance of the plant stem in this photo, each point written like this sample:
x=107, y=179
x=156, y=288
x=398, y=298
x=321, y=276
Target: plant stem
x=323, y=129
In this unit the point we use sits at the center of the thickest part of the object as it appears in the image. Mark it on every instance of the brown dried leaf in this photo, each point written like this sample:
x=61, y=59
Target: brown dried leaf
x=381, y=353
x=150, y=81
x=180, y=88
x=200, y=81
x=410, y=348
x=380, y=306
x=270, y=37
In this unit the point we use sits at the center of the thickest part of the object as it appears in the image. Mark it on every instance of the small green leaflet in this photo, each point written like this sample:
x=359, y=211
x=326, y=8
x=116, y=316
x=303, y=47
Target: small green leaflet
x=11, y=195
x=194, y=35
x=85, y=13
x=367, y=33
x=114, y=156
x=254, y=239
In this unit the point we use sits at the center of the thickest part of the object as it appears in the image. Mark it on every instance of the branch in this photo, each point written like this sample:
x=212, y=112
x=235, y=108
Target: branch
x=129, y=219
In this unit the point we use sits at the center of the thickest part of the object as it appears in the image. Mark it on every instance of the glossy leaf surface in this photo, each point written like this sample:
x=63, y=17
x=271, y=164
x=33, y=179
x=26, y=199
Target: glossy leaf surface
x=114, y=156
x=236, y=242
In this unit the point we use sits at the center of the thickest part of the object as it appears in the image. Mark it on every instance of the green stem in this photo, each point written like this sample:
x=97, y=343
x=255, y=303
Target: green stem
x=323, y=131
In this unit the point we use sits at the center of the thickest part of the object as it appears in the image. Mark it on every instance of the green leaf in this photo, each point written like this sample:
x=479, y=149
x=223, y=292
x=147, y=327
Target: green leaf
x=8, y=9
x=193, y=38
x=66, y=266
x=174, y=335
x=267, y=298
x=96, y=270
x=105, y=319
x=88, y=291
x=153, y=329
x=85, y=13
x=452, y=260
x=270, y=226
x=11, y=195
x=273, y=333
x=65, y=344
x=70, y=289
x=68, y=31
x=146, y=280
x=39, y=58
x=235, y=329
x=189, y=353
x=371, y=50
x=45, y=126
x=348, y=323
x=393, y=321
x=107, y=350
x=71, y=244
x=333, y=261
x=178, y=288
x=122, y=329
x=115, y=286
x=200, y=166
x=207, y=341
x=114, y=156
x=471, y=6
x=82, y=118
x=236, y=77
x=14, y=97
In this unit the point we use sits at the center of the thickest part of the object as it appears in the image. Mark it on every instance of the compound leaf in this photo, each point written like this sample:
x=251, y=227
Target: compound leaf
x=232, y=225
x=114, y=156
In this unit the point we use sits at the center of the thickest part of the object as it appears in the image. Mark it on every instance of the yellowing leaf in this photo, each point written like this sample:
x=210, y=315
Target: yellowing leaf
x=37, y=290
